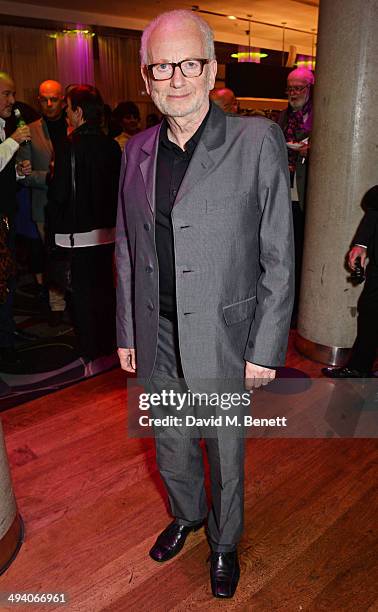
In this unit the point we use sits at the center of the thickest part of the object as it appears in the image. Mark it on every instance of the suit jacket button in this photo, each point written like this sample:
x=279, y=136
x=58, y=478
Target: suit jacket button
x=150, y=306
x=250, y=344
x=149, y=268
x=147, y=227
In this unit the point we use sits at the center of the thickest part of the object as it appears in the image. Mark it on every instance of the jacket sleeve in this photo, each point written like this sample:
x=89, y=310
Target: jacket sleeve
x=366, y=229
x=37, y=179
x=267, y=342
x=7, y=150
x=370, y=199
x=59, y=191
x=125, y=273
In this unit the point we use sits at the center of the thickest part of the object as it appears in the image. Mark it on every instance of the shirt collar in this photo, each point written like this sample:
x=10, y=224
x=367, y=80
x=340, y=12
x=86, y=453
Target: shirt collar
x=191, y=144
x=2, y=123
x=55, y=121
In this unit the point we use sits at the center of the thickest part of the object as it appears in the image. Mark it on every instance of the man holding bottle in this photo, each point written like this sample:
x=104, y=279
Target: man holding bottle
x=9, y=174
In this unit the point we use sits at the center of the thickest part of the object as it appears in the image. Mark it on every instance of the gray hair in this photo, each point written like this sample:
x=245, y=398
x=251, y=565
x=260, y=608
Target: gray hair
x=303, y=73
x=181, y=15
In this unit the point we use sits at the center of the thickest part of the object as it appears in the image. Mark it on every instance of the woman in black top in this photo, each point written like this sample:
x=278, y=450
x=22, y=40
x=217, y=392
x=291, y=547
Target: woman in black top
x=82, y=214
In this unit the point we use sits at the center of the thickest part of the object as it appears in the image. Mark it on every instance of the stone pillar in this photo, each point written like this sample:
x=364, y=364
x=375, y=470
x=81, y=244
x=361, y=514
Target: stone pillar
x=344, y=165
x=11, y=526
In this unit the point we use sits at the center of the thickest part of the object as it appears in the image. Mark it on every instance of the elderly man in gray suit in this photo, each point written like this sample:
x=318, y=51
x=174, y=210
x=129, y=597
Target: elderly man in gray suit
x=48, y=135
x=205, y=271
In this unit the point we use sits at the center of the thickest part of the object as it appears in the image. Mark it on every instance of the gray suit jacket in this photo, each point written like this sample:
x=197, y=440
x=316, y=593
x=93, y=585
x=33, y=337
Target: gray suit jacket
x=233, y=244
x=40, y=153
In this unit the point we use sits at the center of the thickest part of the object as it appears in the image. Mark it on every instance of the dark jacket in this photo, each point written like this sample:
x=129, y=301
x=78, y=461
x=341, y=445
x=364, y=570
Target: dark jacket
x=8, y=190
x=367, y=233
x=97, y=167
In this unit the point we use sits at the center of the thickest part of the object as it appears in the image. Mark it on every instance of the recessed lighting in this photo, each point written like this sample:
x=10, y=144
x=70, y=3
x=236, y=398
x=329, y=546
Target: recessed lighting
x=231, y=17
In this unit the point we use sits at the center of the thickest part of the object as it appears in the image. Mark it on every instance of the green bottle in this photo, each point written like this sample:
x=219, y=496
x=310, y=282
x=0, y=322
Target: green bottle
x=20, y=120
x=20, y=123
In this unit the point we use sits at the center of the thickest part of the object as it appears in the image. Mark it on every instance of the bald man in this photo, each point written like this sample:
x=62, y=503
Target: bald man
x=48, y=136
x=225, y=99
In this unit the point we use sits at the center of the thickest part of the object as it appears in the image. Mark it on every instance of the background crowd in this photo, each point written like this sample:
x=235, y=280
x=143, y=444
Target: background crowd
x=59, y=173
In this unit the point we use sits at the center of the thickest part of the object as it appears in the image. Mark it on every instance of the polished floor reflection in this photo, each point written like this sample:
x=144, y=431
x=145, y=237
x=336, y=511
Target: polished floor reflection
x=93, y=505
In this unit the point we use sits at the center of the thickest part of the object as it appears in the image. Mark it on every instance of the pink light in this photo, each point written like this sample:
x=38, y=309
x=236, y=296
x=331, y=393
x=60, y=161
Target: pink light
x=75, y=58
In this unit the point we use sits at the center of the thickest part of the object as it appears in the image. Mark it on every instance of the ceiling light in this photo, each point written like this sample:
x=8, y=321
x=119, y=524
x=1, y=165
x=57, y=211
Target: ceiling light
x=231, y=17
x=306, y=64
x=242, y=54
x=85, y=32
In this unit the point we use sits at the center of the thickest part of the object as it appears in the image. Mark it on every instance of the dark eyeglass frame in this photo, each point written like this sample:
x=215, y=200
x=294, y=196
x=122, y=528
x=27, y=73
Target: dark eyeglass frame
x=296, y=88
x=174, y=65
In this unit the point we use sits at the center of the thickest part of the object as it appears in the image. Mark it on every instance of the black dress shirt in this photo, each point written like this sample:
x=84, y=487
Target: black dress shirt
x=172, y=163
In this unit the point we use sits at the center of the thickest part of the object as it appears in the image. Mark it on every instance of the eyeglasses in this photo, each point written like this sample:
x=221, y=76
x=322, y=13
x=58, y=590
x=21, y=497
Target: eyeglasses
x=296, y=89
x=189, y=68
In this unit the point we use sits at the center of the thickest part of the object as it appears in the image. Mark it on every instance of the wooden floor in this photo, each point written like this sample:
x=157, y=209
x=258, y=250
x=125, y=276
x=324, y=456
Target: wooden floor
x=93, y=504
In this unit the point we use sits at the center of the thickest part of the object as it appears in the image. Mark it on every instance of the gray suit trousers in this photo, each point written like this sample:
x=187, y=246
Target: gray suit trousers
x=180, y=457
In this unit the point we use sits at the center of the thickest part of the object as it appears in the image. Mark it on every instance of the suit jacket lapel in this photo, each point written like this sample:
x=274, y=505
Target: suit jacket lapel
x=46, y=142
x=147, y=165
x=213, y=136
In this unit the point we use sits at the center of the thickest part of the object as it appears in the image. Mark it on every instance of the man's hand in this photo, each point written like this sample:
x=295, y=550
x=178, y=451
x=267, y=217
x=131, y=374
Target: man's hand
x=256, y=375
x=127, y=359
x=357, y=251
x=24, y=168
x=22, y=134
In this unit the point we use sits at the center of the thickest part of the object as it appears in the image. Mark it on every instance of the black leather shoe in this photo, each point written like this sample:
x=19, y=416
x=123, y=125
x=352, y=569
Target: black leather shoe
x=345, y=373
x=171, y=541
x=224, y=573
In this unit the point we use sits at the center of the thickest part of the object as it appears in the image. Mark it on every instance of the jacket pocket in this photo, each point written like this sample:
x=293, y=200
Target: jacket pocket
x=239, y=311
